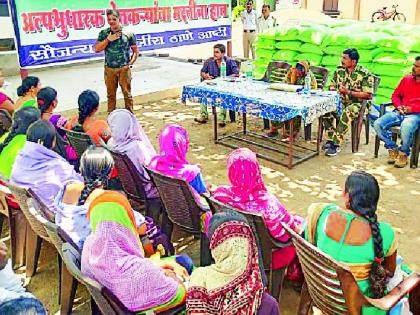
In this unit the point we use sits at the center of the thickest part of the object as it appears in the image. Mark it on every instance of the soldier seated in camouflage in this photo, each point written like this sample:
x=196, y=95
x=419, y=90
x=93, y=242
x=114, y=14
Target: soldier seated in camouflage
x=355, y=84
x=296, y=76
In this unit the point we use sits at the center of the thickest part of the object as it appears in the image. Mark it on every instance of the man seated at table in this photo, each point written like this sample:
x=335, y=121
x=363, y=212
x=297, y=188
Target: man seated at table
x=355, y=84
x=406, y=99
x=296, y=76
x=211, y=70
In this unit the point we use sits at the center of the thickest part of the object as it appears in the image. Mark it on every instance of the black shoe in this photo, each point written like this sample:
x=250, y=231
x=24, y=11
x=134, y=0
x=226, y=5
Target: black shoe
x=332, y=150
x=327, y=145
x=201, y=120
x=222, y=124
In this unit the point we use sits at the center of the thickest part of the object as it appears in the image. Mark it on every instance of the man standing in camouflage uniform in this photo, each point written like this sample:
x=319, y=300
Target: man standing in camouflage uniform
x=354, y=84
x=117, y=45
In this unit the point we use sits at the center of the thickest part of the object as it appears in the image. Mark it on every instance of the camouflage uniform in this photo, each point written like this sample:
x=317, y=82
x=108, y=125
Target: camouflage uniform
x=291, y=78
x=117, y=58
x=360, y=80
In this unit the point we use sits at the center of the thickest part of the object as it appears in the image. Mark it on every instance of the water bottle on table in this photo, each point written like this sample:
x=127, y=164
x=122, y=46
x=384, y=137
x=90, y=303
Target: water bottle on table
x=223, y=69
x=248, y=71
x=307, y=85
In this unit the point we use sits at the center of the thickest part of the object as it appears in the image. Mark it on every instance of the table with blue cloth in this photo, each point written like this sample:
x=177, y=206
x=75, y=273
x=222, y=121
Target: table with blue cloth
x=256, y=98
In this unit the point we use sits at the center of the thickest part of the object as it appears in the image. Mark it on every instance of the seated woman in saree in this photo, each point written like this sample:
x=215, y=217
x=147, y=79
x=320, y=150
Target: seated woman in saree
x=233, y=284
x=172, y=161
x=74, y=198
x=28, y=92
x=353, y=235
x=47, y=102
x=248, y=193
x=38, y=167
x=86, y=121
x=129, y=138
x=113, y=256
x=16, y=138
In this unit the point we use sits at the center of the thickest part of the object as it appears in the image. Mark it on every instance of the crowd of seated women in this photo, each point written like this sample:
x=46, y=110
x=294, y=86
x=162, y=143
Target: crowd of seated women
x=107, y=230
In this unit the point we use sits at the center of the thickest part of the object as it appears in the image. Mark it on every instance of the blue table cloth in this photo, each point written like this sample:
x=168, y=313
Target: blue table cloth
x=256, y=98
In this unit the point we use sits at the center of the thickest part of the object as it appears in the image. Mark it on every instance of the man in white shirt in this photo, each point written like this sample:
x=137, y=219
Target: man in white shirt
x=249, y=21
x=265, y=21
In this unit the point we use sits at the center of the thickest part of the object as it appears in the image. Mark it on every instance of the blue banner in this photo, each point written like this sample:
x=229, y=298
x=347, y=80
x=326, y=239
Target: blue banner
x=51, y=32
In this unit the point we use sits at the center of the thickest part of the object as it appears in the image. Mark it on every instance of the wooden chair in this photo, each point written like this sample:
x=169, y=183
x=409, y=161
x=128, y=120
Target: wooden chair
x=103, y=300
x=67, y=284
x=415, y=149
x=356, y=124
x=80, y=141
x=331, y=287
x=266, y=243
x=17, y=224
x=276, y=72
x=182, y=208
x=321, y=76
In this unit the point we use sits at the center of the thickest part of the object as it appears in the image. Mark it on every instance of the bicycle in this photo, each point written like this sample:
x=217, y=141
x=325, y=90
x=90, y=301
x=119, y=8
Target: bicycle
x=383, y=15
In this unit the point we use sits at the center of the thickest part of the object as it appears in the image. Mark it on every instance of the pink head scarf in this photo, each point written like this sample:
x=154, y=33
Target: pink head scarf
x=172, y=160
x=247, y=184
x=248, y=193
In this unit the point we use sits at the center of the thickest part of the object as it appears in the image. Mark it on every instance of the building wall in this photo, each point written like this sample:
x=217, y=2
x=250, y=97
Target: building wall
x=410, y=8
x=315, y=5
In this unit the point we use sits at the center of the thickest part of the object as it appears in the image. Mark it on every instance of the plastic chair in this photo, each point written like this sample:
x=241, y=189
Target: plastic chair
x=276, y=72
x=17, y=225
x=35, y=231
x=415, y=149
x=356, y=124
x=321, y=76
x=266, y=243
x=102, y=298
x=131, y=180
x=182, y=208
x=67, y=284
x=80, y=141
x=331, y=287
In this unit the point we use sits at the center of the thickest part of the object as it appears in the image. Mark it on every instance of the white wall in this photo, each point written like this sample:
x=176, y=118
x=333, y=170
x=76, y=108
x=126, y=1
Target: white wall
x=6, y=27
x=367, y=7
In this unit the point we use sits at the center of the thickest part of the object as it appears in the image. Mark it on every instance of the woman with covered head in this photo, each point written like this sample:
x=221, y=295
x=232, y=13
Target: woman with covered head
x=86, y=121
x=38, y=167
x=247, y=192
x=233, y=284
x=295, y=76
x=353, y=235
x=16, y=138
x=129, y=138
x=113, y=256
x=172, y=161
x=28, y=92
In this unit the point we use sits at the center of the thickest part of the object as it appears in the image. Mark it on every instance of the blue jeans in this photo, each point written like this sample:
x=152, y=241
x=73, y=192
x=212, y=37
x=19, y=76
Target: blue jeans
x=409, y=124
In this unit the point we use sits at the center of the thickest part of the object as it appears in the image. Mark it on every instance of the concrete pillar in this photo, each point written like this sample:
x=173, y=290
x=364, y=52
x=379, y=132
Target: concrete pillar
x=417, y=17
x=356, y=14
